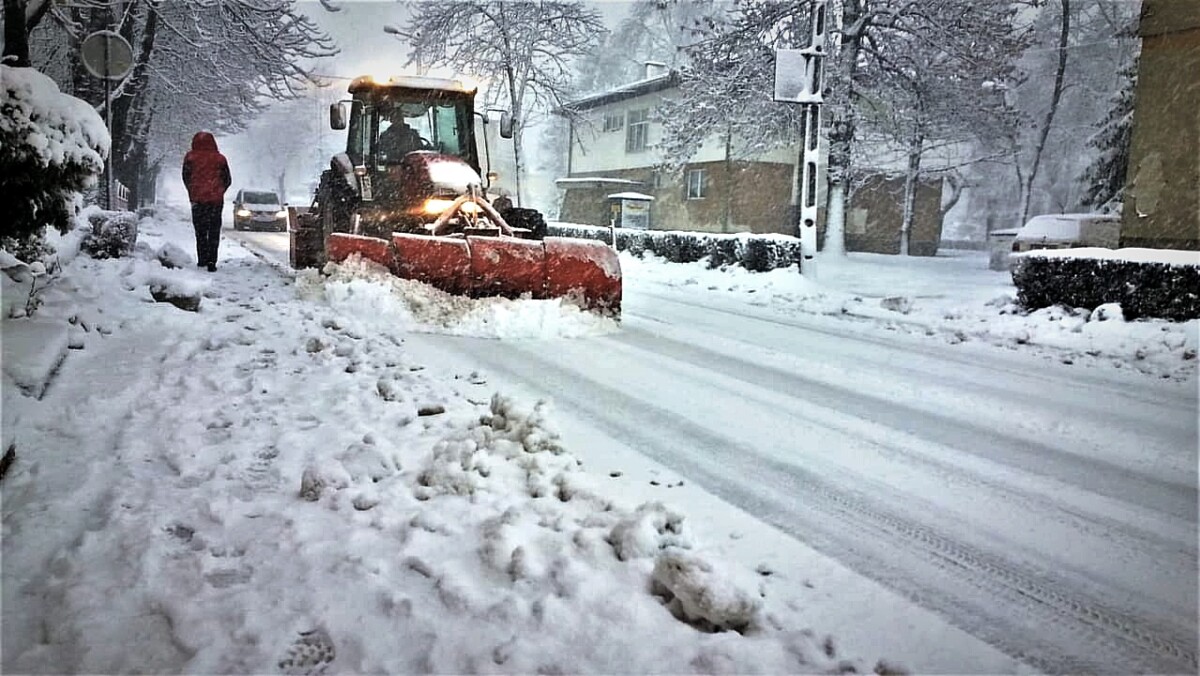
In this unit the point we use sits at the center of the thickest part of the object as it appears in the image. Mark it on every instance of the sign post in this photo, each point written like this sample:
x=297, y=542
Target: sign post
x=108, y=56
x=798, y=79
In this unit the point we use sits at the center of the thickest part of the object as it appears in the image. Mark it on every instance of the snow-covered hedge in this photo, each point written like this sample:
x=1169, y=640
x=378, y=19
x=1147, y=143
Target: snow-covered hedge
x=52, y=147
x=757, y=253
x=1145, y=282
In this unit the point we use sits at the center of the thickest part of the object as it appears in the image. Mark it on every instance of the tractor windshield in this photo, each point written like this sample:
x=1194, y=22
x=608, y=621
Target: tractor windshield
x=440, y=123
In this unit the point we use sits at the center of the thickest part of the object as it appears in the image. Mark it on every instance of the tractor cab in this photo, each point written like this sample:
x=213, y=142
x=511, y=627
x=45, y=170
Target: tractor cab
x=390, y=118
x=412, y=145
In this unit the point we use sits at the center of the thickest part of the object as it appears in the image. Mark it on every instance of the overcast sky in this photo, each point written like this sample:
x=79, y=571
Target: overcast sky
x=358, y=30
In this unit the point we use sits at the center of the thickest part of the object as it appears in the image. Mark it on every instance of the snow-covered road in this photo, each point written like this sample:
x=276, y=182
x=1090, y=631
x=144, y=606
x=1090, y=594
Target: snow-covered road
x=1046, y=508
x=1047, y=511
x=959, y=489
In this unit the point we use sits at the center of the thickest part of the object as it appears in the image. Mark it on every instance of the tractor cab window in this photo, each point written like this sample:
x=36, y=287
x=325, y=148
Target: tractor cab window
x=405, y=126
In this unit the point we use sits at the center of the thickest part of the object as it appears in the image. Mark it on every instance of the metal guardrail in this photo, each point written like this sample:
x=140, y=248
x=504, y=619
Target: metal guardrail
x=120, y=197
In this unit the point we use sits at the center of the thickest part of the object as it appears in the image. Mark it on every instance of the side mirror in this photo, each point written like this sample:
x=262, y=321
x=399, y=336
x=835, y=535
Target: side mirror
x=507, y=124
x=337, y=115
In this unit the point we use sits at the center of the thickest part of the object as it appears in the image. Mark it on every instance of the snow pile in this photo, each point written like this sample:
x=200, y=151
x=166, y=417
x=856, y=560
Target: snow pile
x=361, y=286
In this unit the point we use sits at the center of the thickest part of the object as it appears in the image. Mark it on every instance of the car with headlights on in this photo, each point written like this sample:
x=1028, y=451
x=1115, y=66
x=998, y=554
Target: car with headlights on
x=259, y=210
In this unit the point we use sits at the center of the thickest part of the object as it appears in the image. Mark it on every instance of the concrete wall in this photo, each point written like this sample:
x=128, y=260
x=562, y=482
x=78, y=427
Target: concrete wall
x=1162, y=194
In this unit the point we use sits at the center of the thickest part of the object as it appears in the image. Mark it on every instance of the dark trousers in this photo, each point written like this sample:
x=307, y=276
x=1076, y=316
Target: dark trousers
x=206, y=219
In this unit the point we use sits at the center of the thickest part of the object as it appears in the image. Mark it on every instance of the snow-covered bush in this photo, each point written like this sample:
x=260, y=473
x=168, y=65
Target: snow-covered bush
x=112, y=234
x=52, y=146
x=756, y=253
x=1158, y=283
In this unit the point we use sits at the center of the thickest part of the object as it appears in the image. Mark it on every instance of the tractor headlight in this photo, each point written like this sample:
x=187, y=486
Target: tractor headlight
x=437, y=205
x=281, y=214
x=244, y=213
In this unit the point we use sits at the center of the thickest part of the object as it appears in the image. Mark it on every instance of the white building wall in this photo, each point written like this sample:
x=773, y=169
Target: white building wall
x=596, y=150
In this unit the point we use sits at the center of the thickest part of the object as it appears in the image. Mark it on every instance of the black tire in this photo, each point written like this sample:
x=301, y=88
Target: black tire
x=531, y=219
x=337, y=204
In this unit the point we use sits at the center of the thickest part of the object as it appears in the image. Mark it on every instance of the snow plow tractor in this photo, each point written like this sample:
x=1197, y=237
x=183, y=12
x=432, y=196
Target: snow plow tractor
x=410, y=193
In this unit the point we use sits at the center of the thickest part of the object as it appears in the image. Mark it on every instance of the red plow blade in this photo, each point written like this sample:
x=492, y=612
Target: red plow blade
x=586, y=272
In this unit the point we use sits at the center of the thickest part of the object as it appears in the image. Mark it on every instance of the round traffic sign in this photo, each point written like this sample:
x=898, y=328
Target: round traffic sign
x=106, y=55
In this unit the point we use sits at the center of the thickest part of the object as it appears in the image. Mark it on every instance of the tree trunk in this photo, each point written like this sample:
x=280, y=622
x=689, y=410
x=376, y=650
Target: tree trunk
x=131, y=119
x=956, y=190
x=842, y=125
x=1055, y=96
x=911, y=182
x=148, y=188
x=727, y=206
x=16, y=35
x=515, y=98
x=835, y=221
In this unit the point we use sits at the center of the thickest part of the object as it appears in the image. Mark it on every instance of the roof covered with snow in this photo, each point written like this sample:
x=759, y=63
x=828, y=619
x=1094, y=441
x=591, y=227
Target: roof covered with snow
x=628, y=91
x=594, y=181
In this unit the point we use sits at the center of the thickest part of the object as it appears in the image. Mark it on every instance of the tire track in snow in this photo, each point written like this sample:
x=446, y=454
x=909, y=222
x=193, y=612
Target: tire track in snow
x=1109, y=407
x=902, y=450
x=1128, y=388
x=1100, y=477
x=861, y=532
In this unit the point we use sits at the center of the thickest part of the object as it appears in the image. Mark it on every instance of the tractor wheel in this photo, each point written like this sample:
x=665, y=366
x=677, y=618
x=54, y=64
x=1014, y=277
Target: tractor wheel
x=530, y=219
x=337, y=204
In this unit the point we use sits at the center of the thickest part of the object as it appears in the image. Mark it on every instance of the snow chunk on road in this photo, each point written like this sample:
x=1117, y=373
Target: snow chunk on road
x=705, y=595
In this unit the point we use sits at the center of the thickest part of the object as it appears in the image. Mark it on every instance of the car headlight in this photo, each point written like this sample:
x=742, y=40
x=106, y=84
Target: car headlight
x=438, y=205
x=244, y=213
x=281, y=214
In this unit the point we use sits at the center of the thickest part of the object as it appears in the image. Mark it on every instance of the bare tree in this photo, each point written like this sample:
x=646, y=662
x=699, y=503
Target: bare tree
x=1055, y=96
x=653, y=30
x=198, y=64
x=524, y=50
x=925, y=80
x=908, y=72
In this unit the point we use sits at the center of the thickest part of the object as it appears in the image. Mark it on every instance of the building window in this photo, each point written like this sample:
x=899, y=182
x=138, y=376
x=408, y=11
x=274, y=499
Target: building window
x=636, y=132
x=697, y=184
x=614, y=121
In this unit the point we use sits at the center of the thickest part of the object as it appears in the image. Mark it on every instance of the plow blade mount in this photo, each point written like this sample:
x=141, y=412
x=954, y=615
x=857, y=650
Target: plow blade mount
x=586, y=272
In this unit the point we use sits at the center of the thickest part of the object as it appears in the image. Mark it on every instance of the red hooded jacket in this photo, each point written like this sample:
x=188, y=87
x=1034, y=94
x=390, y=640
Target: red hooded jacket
x=205, y=171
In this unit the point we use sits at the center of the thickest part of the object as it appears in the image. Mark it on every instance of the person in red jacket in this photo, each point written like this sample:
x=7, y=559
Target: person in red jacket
x=206, y=175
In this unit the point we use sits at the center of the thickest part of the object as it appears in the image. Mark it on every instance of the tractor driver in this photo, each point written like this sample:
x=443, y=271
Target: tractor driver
x=398, y=139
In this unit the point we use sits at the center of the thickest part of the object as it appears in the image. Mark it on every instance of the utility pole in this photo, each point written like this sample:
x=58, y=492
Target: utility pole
x=799, y=79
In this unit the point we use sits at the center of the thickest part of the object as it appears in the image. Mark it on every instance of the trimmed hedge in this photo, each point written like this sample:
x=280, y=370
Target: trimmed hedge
x=1143, y=289
x=756, y=253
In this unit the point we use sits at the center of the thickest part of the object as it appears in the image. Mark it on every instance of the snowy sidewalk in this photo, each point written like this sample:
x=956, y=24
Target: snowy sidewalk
x=265, y=486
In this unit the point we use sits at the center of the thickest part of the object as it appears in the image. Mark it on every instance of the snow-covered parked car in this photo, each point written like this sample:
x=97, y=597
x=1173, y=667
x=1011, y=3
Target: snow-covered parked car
x=259, y=210
x=1068, y=231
